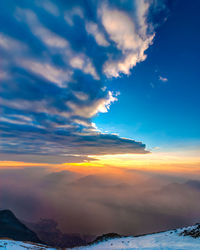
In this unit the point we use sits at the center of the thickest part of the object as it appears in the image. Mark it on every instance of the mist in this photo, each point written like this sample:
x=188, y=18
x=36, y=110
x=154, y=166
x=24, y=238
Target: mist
x=130, y=203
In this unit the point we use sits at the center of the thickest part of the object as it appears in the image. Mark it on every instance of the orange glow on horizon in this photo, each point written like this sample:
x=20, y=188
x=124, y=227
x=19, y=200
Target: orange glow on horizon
x=116, y=164
x=21, y=164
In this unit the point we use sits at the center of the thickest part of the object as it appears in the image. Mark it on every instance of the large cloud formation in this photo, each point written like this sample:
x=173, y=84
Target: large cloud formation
x=55, y=58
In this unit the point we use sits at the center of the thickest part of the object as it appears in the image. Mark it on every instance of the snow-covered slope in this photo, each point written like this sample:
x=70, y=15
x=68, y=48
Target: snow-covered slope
x=168, y=240
x=20, y=245
x=180, y=239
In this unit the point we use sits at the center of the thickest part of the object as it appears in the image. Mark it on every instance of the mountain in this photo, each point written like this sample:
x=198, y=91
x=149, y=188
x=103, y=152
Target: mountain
x=11, y=227
x=106, y=237
x=48, y=231
x=177, y=239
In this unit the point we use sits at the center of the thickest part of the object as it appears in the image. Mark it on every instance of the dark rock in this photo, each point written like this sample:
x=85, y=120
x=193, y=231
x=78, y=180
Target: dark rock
x=106, y=237
x=194, y=232
x=11, y=227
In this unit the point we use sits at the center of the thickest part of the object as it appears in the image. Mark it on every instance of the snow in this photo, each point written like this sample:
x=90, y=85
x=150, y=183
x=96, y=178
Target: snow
x=169, y=240
x=160, y=241
x=19, y=245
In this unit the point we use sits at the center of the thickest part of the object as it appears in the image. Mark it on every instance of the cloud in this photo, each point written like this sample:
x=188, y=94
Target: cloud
x=163, y=79
x=134, y=202
x=100, y=105
x=8, y=43
x=48, y=72
x=130, y=37
x=56, y=58
x=50, y=38
x=84, y=63
x=49, y=7
x=93, y=30
x=70, y=14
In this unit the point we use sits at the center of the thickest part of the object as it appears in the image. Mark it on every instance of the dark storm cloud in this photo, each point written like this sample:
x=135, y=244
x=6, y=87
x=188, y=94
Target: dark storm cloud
x=56, y=56
x=133, y=203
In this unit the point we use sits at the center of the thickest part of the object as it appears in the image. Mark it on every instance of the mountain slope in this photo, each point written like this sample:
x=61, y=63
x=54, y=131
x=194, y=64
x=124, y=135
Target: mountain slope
x=11, y=227
x=19, y=245
x=179, y=239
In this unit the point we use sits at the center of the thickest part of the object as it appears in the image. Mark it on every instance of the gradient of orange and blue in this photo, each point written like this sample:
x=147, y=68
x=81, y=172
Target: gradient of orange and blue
x=99, y=115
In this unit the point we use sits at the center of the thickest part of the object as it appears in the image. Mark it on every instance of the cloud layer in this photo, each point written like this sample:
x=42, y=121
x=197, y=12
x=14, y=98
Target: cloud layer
x=55, y=58
x=123, y=201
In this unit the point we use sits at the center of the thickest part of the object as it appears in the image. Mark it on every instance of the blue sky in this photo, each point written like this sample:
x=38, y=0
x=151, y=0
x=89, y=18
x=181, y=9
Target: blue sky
x=99, y=77
x=163, y=114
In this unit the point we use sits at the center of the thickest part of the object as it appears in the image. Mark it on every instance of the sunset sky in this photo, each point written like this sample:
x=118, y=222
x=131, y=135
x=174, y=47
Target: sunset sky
x=100, y=97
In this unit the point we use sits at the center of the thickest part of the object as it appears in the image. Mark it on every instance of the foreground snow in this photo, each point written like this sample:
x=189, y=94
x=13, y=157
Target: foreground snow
x=19, y=245
x=168, y=240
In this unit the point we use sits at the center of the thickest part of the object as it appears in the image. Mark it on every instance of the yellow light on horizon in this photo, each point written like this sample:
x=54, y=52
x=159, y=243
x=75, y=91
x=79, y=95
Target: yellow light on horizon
x=156, y=161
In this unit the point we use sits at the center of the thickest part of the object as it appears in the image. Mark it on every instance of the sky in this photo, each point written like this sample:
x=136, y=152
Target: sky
x=100, y=97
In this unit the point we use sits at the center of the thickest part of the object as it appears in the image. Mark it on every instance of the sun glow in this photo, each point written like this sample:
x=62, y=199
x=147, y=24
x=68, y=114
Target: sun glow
x=156, y=161
x=110, y=164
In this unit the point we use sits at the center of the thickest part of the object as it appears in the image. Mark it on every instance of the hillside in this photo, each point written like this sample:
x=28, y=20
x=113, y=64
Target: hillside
x=11, y=227
x=178, y=239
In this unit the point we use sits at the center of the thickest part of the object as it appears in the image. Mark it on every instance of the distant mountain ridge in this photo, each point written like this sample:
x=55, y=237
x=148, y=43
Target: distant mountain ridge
x=49, y=232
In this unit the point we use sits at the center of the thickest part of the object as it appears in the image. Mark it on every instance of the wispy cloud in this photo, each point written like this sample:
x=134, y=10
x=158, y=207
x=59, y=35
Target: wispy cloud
x=163, y=79
x=93, y=30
